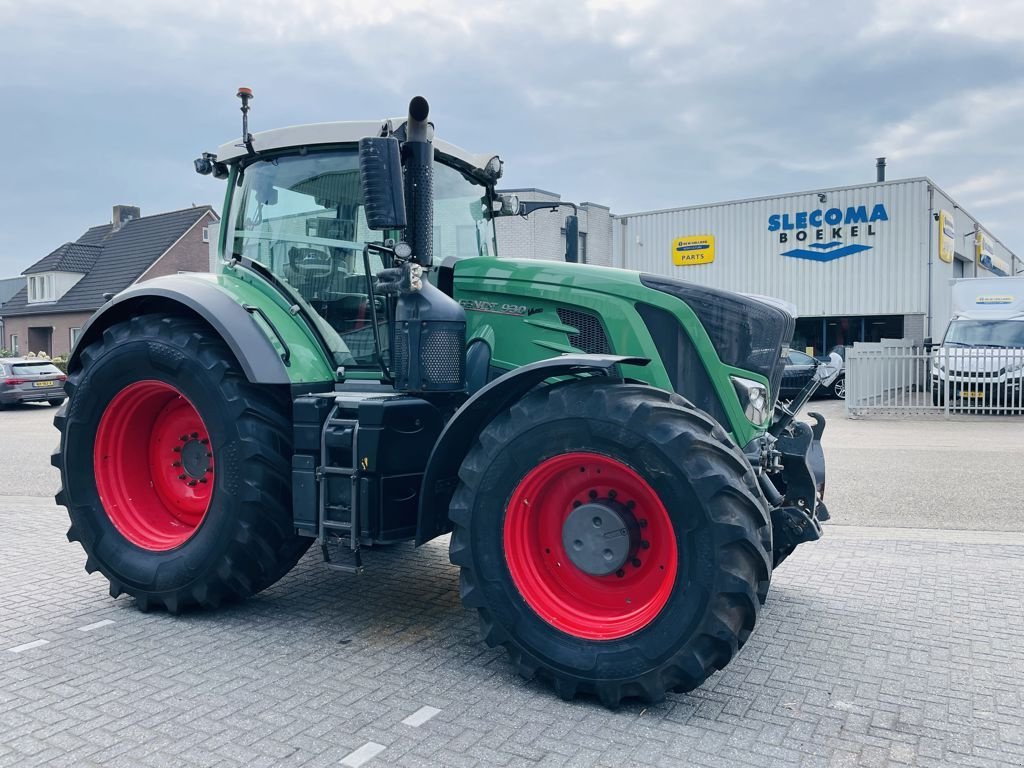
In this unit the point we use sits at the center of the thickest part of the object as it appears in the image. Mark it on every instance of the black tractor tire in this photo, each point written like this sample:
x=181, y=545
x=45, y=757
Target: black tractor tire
x=719, y=520
x=243, y=540
x=56, y=403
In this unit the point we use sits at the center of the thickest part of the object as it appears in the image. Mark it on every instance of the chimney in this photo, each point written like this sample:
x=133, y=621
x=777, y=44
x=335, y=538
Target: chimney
x=880, y=169
x=123, y=214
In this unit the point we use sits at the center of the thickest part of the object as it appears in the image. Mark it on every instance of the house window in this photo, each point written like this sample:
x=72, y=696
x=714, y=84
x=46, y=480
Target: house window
x=14, y=344
x=75, y=333
x=41, y=288
x=206, y=234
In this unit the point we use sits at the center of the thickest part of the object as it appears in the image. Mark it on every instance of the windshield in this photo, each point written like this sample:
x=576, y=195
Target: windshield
x=302, y=217
x=985, y=333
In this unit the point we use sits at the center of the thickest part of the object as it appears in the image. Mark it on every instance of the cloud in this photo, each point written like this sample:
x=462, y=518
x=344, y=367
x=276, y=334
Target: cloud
x=639, y=105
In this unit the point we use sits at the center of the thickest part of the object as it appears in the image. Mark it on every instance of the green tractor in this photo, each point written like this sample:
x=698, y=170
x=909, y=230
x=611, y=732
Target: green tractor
x=604, y=447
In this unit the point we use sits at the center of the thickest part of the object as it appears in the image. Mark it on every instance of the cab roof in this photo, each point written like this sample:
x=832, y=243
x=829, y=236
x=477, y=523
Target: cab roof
x=342, y=133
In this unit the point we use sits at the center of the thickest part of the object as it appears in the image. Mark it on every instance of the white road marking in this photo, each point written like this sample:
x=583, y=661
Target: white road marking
x=364, y=754
x=420, y=716
x=27, y=646
x=97, y=625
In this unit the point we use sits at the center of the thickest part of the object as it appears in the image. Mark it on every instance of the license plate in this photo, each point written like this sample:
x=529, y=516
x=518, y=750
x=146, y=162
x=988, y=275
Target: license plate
x=972, y=394
x=44, y=384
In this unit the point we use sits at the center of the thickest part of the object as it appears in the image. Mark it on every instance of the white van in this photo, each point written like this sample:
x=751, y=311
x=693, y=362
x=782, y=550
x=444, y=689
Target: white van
x=980, y=362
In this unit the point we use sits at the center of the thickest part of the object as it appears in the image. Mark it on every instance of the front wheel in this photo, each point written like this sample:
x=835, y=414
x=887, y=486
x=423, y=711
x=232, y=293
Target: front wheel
x=175, y=468
x=839, y=388
x=612, y=538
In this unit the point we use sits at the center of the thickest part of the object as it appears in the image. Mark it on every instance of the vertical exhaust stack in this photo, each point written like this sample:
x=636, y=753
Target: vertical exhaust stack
x=429, y=353
x=880, y=169
x=418, y=154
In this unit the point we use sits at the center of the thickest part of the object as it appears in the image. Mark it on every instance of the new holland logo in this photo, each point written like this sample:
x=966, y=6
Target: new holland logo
x=829, y=228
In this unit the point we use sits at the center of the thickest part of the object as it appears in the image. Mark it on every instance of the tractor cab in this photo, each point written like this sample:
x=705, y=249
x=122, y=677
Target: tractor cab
x=295, y=206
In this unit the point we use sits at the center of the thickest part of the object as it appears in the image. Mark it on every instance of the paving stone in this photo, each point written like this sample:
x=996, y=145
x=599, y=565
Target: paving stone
x=872, y=650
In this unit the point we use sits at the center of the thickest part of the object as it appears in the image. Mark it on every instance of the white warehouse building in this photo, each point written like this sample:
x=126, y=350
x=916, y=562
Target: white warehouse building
x=860, y=263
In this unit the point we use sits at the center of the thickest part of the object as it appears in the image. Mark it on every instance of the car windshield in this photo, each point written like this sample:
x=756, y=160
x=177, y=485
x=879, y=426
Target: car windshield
x=985, y=333
x=302, y=217
x=35, y=369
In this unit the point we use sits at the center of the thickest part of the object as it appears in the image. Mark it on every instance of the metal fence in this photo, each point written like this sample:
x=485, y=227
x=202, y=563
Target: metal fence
x=894, y=378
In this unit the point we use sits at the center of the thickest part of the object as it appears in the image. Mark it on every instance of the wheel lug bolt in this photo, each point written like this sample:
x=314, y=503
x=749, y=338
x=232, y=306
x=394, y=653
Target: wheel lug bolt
x=645, y=544
x=612, y=494
x=184, y=438
x=592, y=494
x=192, y=483
x=576, y=503
x=176, y=464
x=209, y=455
x=205, y=441
x=643, y=523
x=177, y=449
x=630, y=504
x=620, y=573
x=636, y=562
x=203, y=480
x=182, y=477
x=195, y=435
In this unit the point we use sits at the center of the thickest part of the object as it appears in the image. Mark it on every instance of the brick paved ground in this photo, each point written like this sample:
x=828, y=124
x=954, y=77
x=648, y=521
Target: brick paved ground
x=876, y=648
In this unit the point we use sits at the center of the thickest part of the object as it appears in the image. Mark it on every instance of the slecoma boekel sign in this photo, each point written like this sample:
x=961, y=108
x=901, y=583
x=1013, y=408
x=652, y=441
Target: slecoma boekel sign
x=822, y=234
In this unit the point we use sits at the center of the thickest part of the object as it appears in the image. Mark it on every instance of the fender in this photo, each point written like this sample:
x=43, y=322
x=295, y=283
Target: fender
x=260, y=361
x=442, y=472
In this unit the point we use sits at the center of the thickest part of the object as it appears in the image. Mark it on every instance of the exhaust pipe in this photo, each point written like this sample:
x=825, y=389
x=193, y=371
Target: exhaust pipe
x=418, y=154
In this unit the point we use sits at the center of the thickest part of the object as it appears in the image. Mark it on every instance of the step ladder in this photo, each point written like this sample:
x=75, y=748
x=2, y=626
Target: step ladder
x=336, y=530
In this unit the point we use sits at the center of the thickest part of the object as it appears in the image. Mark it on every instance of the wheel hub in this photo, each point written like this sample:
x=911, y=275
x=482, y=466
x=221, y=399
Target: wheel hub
x=599, y=537
x=195, y=457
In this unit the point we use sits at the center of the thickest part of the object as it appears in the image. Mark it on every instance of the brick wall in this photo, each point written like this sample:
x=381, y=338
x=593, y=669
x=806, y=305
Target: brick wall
x=541, y=235
x=61, y=325
x=189, y=254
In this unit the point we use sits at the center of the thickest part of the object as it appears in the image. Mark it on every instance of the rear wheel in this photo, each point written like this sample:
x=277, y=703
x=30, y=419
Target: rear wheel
x=612, y=538
x=175, y=468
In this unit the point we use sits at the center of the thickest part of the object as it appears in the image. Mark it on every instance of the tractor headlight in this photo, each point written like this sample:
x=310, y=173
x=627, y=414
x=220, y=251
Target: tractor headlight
x=754, y=398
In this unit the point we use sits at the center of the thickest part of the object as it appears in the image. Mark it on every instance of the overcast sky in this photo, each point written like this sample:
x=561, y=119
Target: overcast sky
x=637, y=104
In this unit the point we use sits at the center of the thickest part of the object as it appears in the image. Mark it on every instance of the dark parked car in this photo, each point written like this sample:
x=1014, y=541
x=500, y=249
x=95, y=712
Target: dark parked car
x=799, y=370
x=838, y=387
x=28, y=380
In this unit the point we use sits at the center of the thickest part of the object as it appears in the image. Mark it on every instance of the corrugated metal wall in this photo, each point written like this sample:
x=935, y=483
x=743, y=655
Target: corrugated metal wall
x=890, y=278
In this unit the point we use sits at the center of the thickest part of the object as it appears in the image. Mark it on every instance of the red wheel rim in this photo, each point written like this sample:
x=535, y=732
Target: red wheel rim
x=153, y=463
x=570, y=599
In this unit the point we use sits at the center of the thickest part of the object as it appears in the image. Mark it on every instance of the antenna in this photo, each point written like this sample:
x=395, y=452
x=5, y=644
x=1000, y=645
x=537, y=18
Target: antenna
x=245, y=94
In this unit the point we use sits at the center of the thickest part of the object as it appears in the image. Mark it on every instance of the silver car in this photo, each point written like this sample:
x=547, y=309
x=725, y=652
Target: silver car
x=28, y=380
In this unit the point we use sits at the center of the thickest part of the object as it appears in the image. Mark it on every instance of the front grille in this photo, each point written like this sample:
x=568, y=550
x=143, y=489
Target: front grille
x=682, y=362
x=746, y=333
x=590, y=335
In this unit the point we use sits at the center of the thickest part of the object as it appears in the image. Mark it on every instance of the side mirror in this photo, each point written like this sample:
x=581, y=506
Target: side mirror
x=380, y=176
x=572, y=239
